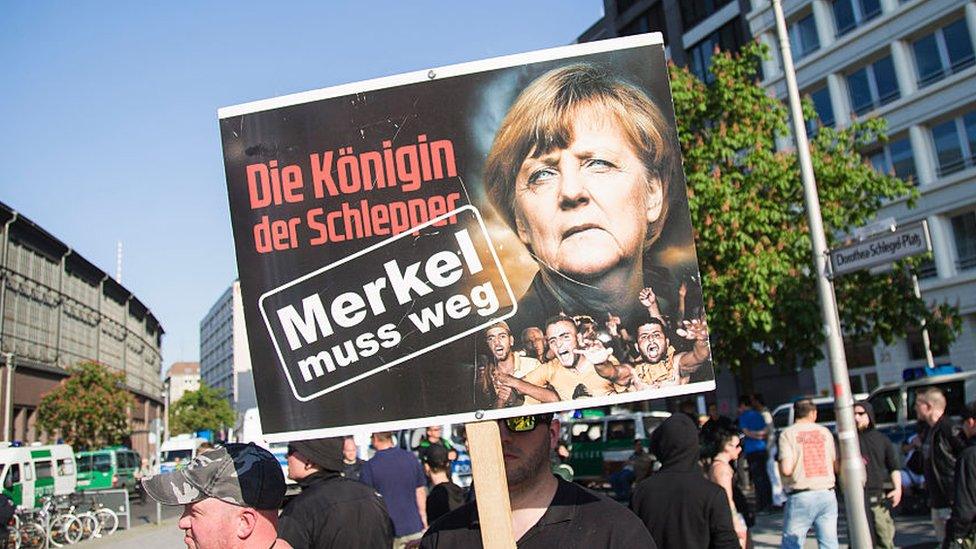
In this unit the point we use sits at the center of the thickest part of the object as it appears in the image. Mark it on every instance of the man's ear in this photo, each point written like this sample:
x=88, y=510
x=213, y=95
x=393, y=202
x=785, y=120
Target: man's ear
x=247, y=521
x=553, y=434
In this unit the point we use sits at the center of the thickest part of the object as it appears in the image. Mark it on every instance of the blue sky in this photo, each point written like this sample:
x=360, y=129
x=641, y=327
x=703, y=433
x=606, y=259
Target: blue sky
x=109, y=124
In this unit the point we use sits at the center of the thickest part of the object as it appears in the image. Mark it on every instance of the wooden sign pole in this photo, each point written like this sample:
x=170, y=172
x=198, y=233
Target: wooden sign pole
x=491, y=486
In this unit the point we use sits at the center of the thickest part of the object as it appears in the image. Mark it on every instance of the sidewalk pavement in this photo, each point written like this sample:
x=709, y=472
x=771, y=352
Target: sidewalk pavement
x=911, y=531
x=165, y=535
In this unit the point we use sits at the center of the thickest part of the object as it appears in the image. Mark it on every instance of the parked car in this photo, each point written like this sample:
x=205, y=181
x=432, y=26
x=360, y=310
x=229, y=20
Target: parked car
x=109, y=468
x=894, y=404
x=601, y=446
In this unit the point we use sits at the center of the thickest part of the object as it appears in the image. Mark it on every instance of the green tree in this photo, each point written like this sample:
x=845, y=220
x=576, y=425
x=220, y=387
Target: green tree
x=746, y=200
x=88, y=409
x=201, y=410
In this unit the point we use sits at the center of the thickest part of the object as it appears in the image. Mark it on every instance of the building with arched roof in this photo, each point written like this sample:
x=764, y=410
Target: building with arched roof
x=58, y=309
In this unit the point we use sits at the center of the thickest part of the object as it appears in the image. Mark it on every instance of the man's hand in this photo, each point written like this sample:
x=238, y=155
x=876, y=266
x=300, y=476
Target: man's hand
x=894, y=496
x=693, y=330
x=595, y=355
x=647, y=298
x=504, y=380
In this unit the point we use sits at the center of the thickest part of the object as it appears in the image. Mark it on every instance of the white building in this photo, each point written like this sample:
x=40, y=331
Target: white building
x=225, y=359
x=911, y=62
x=181, y=378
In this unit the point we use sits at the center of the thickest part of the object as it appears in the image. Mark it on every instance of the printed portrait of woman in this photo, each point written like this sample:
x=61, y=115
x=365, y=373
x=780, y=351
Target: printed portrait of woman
x=580, y=169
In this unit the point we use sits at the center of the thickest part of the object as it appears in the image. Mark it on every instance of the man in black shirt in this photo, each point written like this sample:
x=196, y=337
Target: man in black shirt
x=961, y=529
x=444, y=495
x=881, y=466
x=351, y=464
x=331, y=511
x=716, y=422
x=679, y=506
x=547, y=512
x=939, y=450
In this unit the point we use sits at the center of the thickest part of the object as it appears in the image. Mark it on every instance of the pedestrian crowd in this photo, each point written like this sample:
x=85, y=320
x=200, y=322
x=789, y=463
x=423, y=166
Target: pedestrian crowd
x=687, y=488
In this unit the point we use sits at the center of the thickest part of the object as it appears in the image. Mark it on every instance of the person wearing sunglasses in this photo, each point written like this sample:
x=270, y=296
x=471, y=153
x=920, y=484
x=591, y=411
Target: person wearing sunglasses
x=331, y=510
x=881, y=467
x=547, y=512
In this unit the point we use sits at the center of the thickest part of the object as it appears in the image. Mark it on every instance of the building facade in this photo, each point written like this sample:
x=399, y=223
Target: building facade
x=56, y=310
x=912, y=63
x=691, y=28
x=225, y=358
x=908, y=61
x=181, y=378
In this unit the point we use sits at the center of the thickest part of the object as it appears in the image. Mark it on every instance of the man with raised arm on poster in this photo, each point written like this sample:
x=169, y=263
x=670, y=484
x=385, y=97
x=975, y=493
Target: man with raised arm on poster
x=661, y=365
x=546, y=511
x=574, y=373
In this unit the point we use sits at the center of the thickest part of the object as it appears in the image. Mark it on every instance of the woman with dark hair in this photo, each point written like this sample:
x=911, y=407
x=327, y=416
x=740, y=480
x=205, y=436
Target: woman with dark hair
x=724, y=449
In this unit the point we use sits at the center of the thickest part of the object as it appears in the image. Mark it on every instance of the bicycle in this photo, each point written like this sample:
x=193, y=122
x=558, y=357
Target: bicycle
x=63, y=528
x=30, y=534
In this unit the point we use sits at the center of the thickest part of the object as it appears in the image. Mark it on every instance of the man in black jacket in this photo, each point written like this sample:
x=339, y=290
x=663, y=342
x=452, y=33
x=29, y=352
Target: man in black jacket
x=961, y=529
x=678, y=504
x=939, y=450
x=331, y=511
x=881, y=466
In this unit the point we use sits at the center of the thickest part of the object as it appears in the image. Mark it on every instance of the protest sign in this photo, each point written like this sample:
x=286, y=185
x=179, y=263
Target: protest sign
x=407, y=245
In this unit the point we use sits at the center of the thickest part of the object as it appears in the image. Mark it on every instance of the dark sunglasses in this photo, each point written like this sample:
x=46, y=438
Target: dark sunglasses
x=525, y=424
x=856, y=413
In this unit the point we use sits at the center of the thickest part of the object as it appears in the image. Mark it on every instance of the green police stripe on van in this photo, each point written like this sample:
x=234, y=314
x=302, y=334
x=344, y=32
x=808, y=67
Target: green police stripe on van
x=16, y=494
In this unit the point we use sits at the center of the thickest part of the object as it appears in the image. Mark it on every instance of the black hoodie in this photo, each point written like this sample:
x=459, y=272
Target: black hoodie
x=878, y=453
x=679, y=506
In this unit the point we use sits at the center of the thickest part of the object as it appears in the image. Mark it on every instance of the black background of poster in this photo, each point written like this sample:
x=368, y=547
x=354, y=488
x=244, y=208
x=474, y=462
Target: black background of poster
x=466, y=109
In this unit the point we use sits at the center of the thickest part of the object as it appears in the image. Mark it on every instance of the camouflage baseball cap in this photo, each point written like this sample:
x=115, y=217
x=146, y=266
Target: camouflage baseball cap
x=241, y=474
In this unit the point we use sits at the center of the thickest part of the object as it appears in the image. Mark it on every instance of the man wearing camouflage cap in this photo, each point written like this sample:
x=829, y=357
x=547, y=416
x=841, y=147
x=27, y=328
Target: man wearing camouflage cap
x=230, y=498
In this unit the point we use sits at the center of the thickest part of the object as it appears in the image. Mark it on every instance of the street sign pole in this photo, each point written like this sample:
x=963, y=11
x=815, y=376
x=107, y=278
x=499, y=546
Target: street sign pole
x=852, y=468
x=929, y=360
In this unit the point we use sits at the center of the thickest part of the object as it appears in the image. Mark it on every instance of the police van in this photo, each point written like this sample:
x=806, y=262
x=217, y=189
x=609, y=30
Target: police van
x=894, y=404
x=177, y=452
x=32, y=472
x=601, y=445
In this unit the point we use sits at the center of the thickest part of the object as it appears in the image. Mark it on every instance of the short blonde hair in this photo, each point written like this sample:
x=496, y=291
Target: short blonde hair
x=932, y=396
x=542, y=118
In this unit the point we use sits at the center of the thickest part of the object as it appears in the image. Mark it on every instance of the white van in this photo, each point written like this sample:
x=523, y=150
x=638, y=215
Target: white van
x=894, y=404
x=783, y=414
x=178, y=451
x=31, y=472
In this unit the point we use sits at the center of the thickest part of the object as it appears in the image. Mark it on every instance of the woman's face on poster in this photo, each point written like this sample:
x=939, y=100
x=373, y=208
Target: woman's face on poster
x=584, y=210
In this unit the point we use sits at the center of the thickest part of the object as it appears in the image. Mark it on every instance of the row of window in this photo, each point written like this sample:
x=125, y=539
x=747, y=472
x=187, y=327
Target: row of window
x=728, y=37
x=696, y=11
x=944, y=51
x=860, y=353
